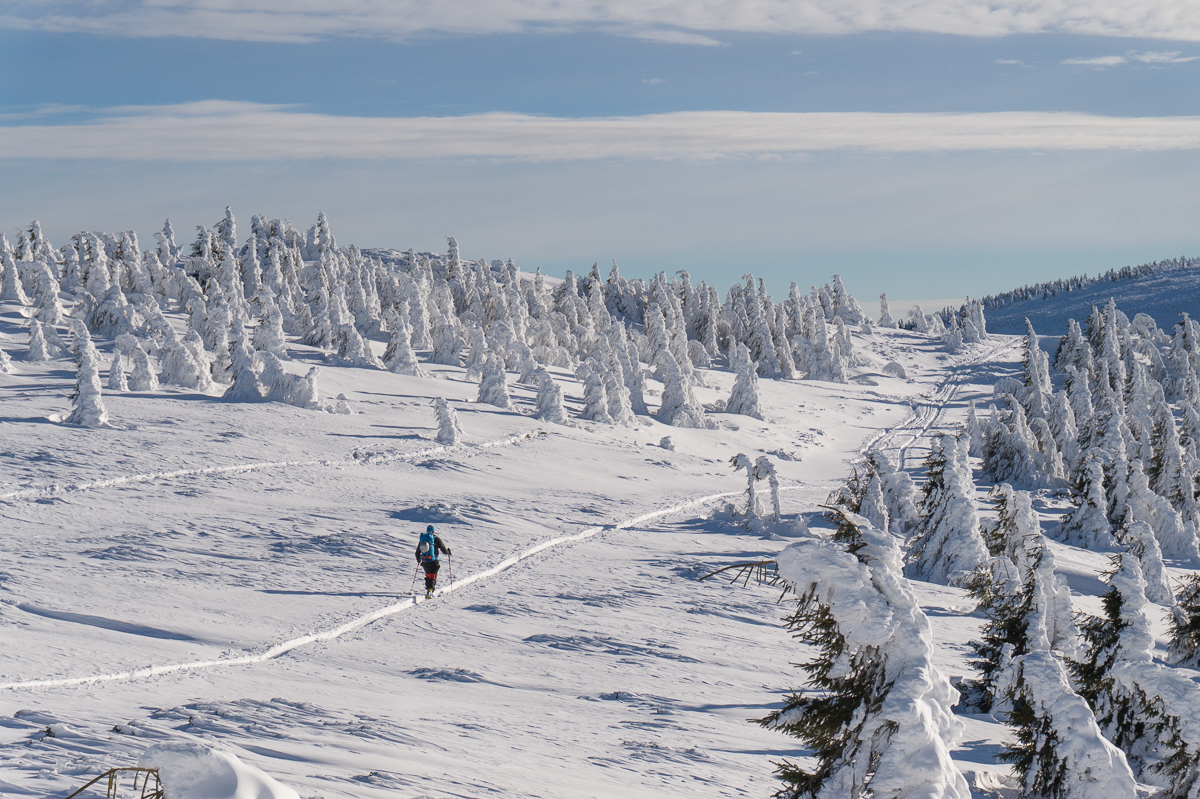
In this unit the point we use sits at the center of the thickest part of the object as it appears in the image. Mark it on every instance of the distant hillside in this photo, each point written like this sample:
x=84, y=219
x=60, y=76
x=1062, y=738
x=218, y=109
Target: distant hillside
x=1163, y=289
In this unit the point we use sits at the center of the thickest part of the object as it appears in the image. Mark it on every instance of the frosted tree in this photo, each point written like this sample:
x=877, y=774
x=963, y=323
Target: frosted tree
x=39, y=350
x=447, y=343
x=246, y=386
x=899, y=494
x=1121, y=636
x=876, y=711
x=1089, y=526
x=87, y=404
x=679, y=406
x=885, y=314
x=595, y=395
x=493, y=388
x=11, y=289
x=549, y=402
x=46, y=295
x=269, y=333
x=477, y=353
x=116, y=374
x=974, y=432
x=399, y=356
x=449, y=430
x=741, y=463
x=947, y=546
x=6, y=364
x=744, y=397
x=143, y=377
x=1139, y=538
x=873, y=506
x=1184, y=647
x=765, y=470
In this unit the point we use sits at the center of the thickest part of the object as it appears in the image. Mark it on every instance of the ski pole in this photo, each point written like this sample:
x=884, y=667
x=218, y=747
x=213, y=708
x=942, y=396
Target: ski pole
x=412, y=587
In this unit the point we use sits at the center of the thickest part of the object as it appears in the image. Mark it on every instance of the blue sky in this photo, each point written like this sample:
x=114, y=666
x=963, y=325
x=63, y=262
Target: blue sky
x=929, y=155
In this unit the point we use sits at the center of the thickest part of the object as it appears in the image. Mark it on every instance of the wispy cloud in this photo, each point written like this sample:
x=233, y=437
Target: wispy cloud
x=1149, y=57
x=661, y=20
x=1010, y=62
x=241, y=131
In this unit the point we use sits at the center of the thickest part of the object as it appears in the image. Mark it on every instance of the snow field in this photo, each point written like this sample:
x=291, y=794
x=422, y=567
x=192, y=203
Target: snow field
x=203, y=566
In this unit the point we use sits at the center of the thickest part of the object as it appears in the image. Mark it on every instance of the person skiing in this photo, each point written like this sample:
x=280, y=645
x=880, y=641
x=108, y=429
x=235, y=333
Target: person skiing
x=428, y=547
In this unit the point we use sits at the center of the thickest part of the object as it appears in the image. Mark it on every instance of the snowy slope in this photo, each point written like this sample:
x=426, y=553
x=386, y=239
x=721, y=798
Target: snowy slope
x=200, y=531
x=1164, y=295
x=162, y=581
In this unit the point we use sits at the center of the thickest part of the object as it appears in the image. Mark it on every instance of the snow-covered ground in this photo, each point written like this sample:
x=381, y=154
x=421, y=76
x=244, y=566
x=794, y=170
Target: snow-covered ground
x=199, y=531
x=239, y=575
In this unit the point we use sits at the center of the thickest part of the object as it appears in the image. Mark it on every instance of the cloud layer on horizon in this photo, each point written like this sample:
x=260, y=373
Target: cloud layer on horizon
x=217, y=130
x=675, y=21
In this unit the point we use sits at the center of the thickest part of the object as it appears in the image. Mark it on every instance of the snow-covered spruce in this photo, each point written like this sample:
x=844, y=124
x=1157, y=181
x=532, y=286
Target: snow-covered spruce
x=449, y=430
x=744, y=397
x=493, y=389
x=876, y=712
x=549, y=402
x=1184, y=647
x=947, y=547
x=246, y=386
x=87, y=404
x=399, y=356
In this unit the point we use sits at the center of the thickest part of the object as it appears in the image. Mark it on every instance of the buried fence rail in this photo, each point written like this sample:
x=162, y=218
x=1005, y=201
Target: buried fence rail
x=151, y=787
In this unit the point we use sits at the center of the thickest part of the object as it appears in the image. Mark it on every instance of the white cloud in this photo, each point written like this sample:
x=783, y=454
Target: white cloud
x=1149, y=57
x=652, y=81
x=241, y=131
x=1010, y=62
x=679, y=21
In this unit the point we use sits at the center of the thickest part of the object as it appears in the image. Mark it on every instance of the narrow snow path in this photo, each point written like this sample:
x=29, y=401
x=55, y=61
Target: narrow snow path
x=361, y=621
x=242, y=468
x=926, y=414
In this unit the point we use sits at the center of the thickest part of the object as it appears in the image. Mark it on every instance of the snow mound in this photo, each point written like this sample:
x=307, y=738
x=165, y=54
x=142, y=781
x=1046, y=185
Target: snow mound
x=194, y=771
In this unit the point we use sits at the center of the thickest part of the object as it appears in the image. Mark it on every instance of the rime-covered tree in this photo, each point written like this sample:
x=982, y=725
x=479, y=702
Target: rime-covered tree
x=245, y=386
x=493, y=388
x=947, y=547
x=679, y=405
x=1184, y=647
x=744, y=397
x=399, y=356
x=87, y=404
x=876, y=711
x=449, y=430
x=549, y=402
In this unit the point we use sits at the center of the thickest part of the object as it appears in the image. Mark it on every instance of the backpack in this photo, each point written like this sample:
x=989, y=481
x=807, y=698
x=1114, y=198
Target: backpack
x=430, y=552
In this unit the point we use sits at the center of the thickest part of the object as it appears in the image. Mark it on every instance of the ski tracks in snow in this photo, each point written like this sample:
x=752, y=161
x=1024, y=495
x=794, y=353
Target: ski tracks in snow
x=927, y=413
x=331, y=633
x=370, y=458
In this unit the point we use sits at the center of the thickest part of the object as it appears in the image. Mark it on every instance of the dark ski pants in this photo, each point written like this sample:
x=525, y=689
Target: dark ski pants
x=431, y=570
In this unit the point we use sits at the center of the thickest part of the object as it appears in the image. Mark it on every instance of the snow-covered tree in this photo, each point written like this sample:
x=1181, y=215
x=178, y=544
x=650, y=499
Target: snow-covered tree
x=1184, y=647
x=947, y=547
x=744, y=397
x=876, y=710
x=493, y=389
x=885, y=314
x=399, y=356
x=679, y=405
x=245, y=386
x=549, y=403
x=87, y=404
x=449, y=430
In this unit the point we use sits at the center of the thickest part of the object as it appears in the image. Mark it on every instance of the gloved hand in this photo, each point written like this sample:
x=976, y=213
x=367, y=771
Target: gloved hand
x=448, y=552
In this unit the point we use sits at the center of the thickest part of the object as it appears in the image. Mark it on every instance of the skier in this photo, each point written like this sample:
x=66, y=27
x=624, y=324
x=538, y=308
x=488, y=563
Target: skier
x=428, y=548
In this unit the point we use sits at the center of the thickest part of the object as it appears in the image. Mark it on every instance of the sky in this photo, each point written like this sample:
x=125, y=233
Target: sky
x=927, y=149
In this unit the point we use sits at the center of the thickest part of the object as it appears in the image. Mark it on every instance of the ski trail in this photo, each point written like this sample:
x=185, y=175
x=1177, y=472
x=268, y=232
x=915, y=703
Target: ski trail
x=375, y=615
x=927, y=413
x=357, y=459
